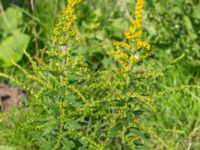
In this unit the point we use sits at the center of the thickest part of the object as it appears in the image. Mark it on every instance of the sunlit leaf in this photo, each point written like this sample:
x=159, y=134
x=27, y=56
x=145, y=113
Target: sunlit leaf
x=12, y=48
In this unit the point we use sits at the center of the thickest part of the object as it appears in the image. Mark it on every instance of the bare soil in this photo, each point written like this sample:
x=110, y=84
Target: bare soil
x=9, y=97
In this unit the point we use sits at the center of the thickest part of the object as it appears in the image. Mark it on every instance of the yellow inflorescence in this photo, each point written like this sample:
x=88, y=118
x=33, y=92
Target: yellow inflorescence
x=138, y=13
x=119, y=54
x=65, y=31
x=141, y=44
x=134, y=31
x=133, y=35
x=133, y=42
x=122, y=44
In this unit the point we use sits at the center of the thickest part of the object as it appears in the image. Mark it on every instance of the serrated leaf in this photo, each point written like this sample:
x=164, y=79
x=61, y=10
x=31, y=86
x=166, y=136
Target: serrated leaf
x=12, y=48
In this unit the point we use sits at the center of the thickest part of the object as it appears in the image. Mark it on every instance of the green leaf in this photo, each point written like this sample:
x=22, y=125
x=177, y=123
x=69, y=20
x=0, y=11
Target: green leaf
x=189, y=27
x=176, y=10
x=128, y=1
x=142, y=147
x=115, y=130
x=135, y=131
x=96, y=15
x=73, y=101
x=12, y=48
x=100, y=35
x=48, y=130
x=81, y=148
x=118, y=27
x=90, y=25
x=196, y=11
x=72, y=124
x=93, y=21
x=68, y=144
x=11, y=19
x=47, y=145
x=6, y=148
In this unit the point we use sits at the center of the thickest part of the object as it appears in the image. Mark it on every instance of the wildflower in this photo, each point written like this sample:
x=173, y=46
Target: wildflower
x=141, y=44
x=66, y=25
x=133, y=42
x=133, y=32
x=65, y=32
x=127, y=68
x=122, y=44
x=119, y=54
x=132, y=36
x=132, y=59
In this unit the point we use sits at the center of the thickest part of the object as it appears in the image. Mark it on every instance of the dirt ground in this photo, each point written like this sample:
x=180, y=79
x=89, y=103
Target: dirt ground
x=9, y=97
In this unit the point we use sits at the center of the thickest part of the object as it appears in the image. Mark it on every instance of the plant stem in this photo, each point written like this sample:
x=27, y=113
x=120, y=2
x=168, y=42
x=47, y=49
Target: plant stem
x=34, y=29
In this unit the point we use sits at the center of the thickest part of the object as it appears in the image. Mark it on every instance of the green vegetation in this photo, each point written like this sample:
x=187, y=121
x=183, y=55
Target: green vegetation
x=84, y=92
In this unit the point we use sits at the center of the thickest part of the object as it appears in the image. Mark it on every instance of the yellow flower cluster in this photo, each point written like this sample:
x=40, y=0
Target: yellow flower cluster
x=123, y=58
x=131, y=58
x=65, y=31
x=132, y=36
x=122, y=44
x=149, y=74
x=133, y=32
x=141, y=44
x=119, y=54
x=138, y=13
x=126, y=56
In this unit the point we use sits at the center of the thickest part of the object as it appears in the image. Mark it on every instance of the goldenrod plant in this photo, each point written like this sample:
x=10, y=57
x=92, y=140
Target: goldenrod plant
x=72, y=106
